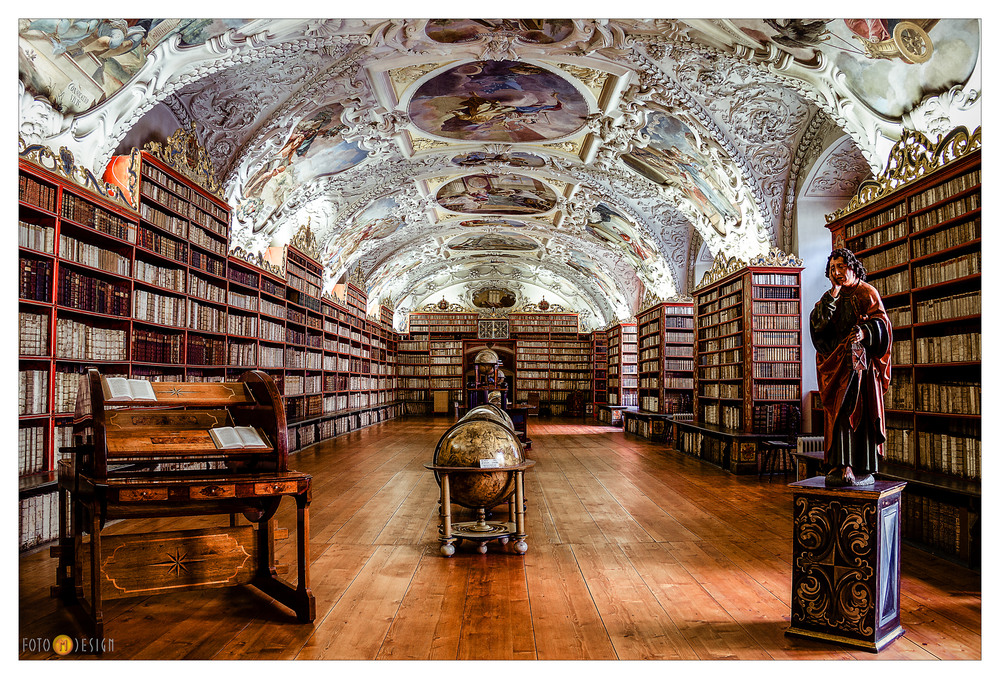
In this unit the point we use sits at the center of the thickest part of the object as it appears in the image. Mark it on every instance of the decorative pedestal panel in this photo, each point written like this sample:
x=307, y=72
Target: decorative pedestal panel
x=845, y=560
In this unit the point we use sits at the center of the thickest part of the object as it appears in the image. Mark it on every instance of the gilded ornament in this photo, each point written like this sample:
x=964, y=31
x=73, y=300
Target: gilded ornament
x=185, y=154
x=64, y=164
x=913, y=156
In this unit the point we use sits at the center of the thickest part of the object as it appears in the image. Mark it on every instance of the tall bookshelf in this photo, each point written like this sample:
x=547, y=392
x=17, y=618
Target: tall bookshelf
x=920, y=241
x=552, y=358
x=599, y=350
x=135, y=276
x=623, y=379
x=748, y=348
x=431, y=358
x=665, y=335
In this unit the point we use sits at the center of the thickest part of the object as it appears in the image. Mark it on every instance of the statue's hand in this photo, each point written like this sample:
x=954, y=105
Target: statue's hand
x=834, y=287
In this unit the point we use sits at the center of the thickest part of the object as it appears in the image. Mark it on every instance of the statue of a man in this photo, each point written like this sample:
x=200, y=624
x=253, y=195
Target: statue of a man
x=852, y=336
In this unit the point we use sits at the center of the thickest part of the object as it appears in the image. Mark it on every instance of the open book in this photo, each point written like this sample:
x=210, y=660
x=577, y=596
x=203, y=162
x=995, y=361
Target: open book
x=124, y=389
x=237, y=437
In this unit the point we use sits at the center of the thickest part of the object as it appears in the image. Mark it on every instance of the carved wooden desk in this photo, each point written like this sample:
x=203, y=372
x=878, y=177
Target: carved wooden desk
x=156, y=459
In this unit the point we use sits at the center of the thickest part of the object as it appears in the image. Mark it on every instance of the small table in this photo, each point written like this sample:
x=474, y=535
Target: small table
x=481, y=530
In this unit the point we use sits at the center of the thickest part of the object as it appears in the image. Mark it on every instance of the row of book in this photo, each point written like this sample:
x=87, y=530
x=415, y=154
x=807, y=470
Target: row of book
x=35, y=279
x=950, y=397
x=721, y=357
x=203, y=350
x=949, y=348
x=775, y=338
x=950, y=210
x=900, y=393
x=883, y=259
x=725, y=372
x=87, y=293
x=892, y=284
x=168, y=222
x=876, y=238
x=242, y=354
x=776, y=323
x=239, y=300
x=82, y=341
x=949, y=188
x=946, y=239
x=776, y=392
x=208, y=263
x=764, y=308
x=952, y=306
x=933, y=523
x=78, y=210
x=891, y=214
x=36, y=193
x=36, y=237
x=762, y=292
x=774, y=418
x=902, y=352
x=189, y=194
x=728, y=328
x=156, y=308
x=33, y=338
x=156, y=347
x=776, y=354
x=899, y=316
x=948, y=270
x=206, y=290
x=775, y=279
x=731, y=342
x=38, y=520
x=165, y=246
x=33, y=392
x=31, y=449
x=729, y=417
x=777, y=370
x=244, y=326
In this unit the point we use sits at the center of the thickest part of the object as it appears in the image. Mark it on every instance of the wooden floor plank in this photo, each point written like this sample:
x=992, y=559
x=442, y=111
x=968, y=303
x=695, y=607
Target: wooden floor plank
x=634, y=551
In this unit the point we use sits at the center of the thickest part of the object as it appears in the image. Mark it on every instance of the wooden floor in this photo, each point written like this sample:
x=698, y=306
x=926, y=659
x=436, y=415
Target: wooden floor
x=635, y=552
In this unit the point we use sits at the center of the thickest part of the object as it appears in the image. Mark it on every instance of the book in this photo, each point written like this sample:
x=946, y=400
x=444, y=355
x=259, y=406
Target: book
x=124, y=389
x=237, y=437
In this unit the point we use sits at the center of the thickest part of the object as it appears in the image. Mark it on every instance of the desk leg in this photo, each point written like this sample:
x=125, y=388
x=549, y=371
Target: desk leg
x=307, y=602
x=96, y=606
x=447, y=546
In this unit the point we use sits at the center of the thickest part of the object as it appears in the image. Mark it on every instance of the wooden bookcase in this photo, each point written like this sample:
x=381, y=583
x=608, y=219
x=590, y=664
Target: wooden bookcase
x=623, y=380
x=666, y=358
x=747, y=356
x=148, y=289
x=920, y=242
x=431, y=358
x=553, y=359
x=599, y=350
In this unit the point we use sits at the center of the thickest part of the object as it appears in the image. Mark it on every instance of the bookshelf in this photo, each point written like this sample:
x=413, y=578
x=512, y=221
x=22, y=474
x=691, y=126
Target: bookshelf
x=623, y=381
x=431, y=358
x=920, y=241
x=552, y=359
x=599, y=350
x=148, y=289
x=665, y=334
x=747, y=357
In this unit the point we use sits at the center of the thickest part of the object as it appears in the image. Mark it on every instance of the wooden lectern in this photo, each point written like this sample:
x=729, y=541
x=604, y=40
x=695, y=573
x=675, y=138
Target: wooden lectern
x=154, y=457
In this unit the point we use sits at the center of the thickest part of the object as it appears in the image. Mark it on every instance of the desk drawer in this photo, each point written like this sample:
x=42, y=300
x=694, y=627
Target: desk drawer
x=275, y=487
x=212, y=490
x=142, y=494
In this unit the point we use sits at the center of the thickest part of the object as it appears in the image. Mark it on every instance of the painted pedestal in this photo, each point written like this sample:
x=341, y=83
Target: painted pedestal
x=845, y=563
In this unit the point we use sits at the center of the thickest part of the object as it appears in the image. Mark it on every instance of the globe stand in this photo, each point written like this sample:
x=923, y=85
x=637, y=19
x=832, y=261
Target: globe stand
x=481, y=530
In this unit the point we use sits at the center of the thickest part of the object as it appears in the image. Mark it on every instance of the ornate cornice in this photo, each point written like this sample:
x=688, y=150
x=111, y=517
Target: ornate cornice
x=184, y=153
x=725, y=266
x=913, y=157
x=305, y=241
x=257, y=259
x=64, y=165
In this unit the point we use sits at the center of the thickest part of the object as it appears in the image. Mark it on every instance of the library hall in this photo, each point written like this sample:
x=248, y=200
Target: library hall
x=637, y=339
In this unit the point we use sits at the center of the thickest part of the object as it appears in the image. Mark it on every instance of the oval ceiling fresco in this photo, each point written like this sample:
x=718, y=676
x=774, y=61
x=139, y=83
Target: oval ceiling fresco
x=498, y=101
x=496, y=194
x=516, y=159
x=537, y=31
x=511, y=242
x=313, y=149
x=672, y=157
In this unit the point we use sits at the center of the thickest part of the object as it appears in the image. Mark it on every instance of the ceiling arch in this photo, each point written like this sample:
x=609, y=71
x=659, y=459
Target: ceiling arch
x=599, y=161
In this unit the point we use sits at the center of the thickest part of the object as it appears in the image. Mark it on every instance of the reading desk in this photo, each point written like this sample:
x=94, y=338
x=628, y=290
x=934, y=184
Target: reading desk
x=151, y=453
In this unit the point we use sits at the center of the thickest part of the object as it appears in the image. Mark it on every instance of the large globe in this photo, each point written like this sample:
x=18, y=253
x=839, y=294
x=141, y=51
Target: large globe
x=467, y=444
x=488, y=411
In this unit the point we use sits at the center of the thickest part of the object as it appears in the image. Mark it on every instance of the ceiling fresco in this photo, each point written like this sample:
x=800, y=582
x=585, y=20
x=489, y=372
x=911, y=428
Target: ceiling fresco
x=594, y=163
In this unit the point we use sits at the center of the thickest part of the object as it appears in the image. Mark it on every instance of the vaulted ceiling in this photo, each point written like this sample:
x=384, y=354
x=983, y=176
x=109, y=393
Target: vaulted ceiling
x=592, y=163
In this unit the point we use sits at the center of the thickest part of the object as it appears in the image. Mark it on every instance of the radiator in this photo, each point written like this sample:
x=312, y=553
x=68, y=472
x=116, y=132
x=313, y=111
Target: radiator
x=810, y=444
x=683, y=417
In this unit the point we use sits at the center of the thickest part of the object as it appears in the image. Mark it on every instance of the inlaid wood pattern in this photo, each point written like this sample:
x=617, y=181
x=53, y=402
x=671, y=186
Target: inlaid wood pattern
x=635, y=552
